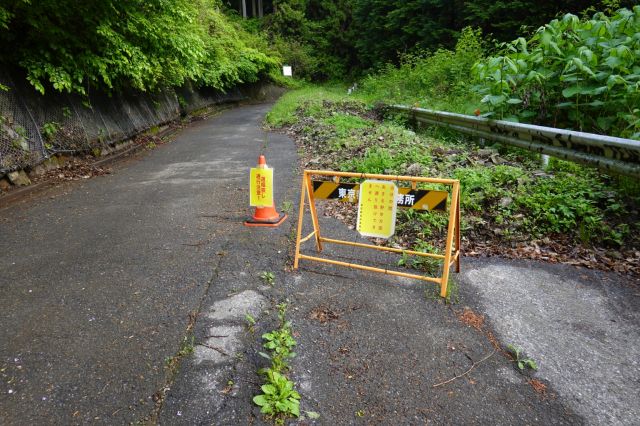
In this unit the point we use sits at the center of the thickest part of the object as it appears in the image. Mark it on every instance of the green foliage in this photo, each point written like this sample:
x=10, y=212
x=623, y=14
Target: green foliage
x=280, y=344
x=564, y=203
x=503, y=19
x=278, y=396
x=267, y=277
x=250, y=319
x=299, y=55
x=376, y=160
x=428, y=265
x=145, y=45
x=5, y=17
x=331, y=37
x=312, y=36
x=506, y=198
x=521, y=361
x=187, y=346
x=572, y=73
x=385, y=30
x=284, y=111
x=282, y=312
x=339, y=39
x=49, y=130
x=439, y=79
x=484, y=186
x=287, y=206
x=344, y=123
x=574, y=199
x=232, y=54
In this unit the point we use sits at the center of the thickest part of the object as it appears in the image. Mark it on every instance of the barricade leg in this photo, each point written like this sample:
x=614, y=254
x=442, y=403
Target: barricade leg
x=314, y=212
x=300, y=222
x=450, y=237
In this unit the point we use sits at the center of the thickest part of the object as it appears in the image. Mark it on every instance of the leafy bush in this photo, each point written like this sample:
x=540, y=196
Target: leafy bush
x=140, y=44
x=563, y=203
x=375, y=160
x=232, y=55
x=484, y=186
x=436, y=80
x=581, y=74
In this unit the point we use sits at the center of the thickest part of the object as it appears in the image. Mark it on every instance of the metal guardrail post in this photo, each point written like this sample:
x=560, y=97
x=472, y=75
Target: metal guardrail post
x=608, y=153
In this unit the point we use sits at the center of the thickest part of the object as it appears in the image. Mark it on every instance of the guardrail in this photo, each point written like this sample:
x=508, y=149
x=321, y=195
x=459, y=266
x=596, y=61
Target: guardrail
x=608, y=153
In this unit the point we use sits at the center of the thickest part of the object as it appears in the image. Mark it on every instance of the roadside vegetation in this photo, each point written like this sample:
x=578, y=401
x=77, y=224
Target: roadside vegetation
x=73, y=47
x=511, y=204
x=573, y=73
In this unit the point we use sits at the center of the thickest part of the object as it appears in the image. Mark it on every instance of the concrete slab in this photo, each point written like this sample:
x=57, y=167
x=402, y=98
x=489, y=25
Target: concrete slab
x=581, y=327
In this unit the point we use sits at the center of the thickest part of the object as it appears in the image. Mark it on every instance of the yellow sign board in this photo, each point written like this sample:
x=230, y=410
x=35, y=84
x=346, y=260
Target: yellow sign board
x=261, y=187
x=377, y=209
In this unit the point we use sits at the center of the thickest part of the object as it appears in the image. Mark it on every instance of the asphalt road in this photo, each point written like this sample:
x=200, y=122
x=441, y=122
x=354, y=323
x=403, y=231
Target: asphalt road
x=102, y=281
x=99, y=278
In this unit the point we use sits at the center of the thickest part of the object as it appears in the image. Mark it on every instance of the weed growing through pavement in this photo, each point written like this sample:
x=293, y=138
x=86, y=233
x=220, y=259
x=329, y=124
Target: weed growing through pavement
x=186, y=348
x=453, y=293
x=278, y=399
x=312, y=415
x=268, y=277
x=521, y=361
x=251, y=322
x=280, y=344
x=287, y=206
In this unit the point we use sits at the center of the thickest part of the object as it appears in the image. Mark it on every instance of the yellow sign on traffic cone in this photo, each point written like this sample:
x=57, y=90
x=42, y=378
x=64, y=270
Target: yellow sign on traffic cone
x=261, y=188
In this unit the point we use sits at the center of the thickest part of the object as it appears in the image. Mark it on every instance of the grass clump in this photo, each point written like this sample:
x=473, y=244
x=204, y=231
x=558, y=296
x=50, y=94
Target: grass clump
x=345, y=123
x=284, y=111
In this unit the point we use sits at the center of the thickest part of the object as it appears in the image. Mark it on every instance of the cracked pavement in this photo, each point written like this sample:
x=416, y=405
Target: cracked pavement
x=102, y=279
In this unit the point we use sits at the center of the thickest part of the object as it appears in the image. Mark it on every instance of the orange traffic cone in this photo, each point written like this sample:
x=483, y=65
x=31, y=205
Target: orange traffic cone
x=265, y=216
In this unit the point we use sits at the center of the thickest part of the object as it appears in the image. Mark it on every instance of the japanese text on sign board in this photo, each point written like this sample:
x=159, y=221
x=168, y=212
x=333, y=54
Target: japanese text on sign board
x=261, y=187
x=377, y=209
x=417, y=199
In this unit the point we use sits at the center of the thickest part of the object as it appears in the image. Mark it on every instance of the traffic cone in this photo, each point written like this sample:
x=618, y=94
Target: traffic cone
x=265, y=216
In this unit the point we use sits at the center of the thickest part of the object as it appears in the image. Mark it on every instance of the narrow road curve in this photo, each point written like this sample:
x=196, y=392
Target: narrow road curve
x=98, y=279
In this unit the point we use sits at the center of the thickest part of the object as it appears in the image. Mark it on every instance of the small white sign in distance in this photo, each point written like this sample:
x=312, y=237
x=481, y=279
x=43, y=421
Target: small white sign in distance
x=287, y=71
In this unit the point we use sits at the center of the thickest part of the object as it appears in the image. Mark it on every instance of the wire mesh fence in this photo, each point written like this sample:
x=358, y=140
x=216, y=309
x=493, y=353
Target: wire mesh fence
x=34, y=127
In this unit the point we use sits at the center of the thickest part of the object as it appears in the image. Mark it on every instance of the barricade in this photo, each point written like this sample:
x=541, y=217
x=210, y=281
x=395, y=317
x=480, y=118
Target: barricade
x=418, y=199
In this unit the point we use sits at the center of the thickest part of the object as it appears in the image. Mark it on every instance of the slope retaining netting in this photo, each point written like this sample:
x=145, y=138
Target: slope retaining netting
x=33, y=127
x=191, y=99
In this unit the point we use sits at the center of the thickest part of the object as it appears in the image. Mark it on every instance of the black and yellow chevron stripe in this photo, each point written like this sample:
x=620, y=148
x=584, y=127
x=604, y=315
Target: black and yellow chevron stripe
x=422, y=199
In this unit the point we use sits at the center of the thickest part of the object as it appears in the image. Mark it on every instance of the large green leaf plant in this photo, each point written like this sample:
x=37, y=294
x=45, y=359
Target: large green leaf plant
x=572, y=73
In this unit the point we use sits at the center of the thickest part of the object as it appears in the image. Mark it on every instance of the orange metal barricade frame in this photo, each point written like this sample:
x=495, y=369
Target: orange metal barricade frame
x=452, y=250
